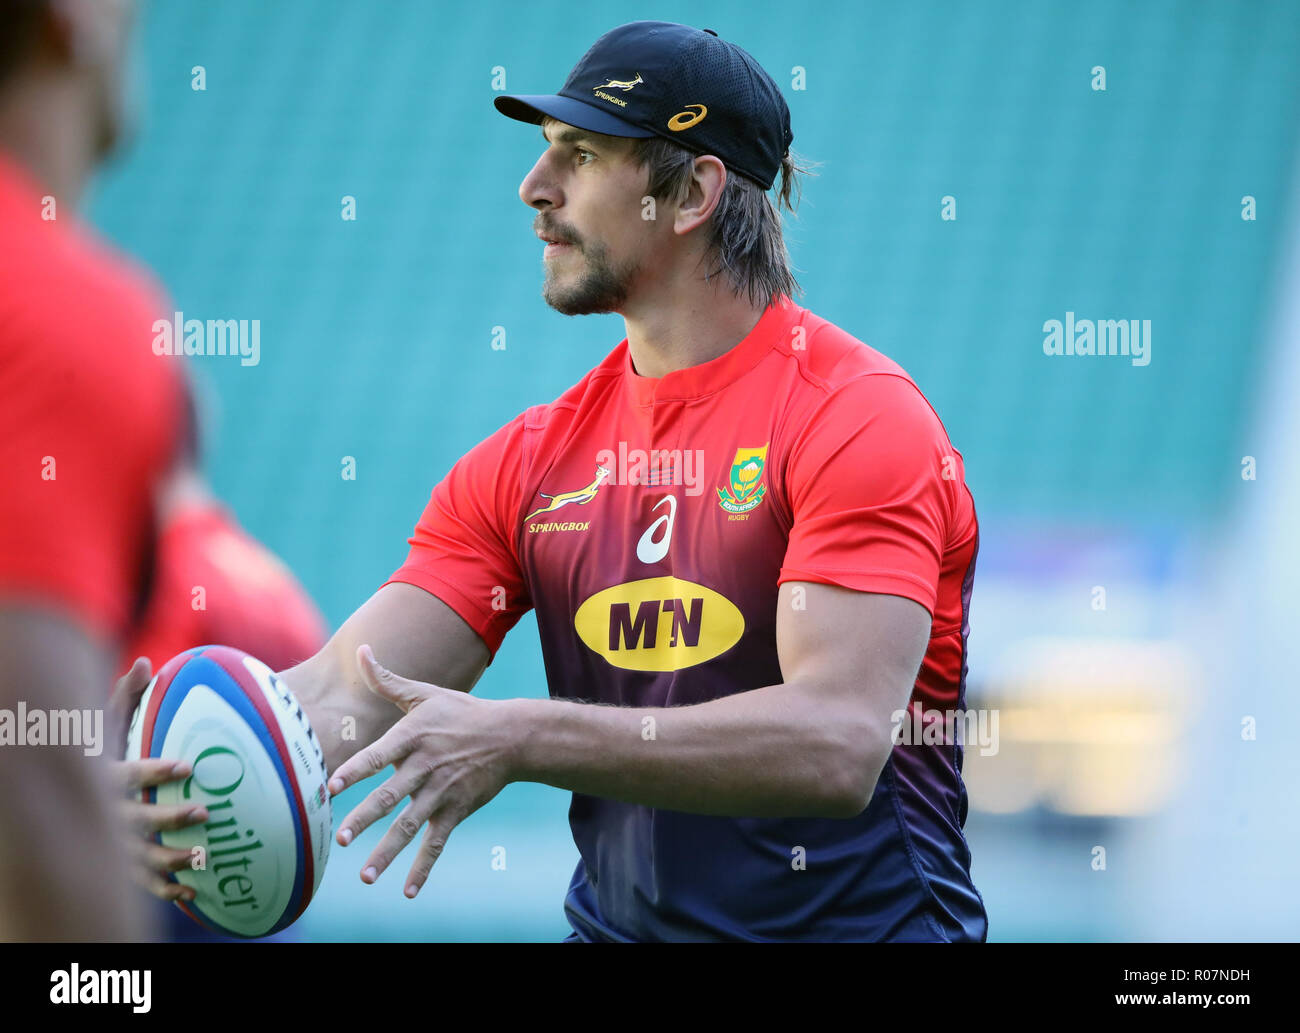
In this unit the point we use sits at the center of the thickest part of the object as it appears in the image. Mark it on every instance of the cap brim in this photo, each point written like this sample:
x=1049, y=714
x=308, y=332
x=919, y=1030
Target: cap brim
x=572, y=112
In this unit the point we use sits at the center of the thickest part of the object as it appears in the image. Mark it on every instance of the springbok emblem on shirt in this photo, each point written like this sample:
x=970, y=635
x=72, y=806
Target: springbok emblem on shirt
x=581, y=496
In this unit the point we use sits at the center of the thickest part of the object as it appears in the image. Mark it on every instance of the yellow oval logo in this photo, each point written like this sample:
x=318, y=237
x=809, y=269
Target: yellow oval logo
x=686, y=119
x=659, y=624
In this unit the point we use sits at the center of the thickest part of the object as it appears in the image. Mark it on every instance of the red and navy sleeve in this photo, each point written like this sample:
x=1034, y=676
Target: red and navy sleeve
x=464, y=550
x=870, y=482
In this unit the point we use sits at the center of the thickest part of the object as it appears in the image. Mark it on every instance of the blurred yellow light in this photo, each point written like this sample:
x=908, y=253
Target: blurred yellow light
x=1085, y=727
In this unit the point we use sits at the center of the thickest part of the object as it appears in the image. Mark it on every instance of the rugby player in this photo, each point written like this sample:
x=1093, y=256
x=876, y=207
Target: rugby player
x=747, y=539
x=88, y=422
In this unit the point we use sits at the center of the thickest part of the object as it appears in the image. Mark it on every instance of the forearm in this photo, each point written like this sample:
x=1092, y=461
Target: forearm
x=414, y=634
x=63, y=868
x=344, y=714
x=778, y=751
x=67, y=877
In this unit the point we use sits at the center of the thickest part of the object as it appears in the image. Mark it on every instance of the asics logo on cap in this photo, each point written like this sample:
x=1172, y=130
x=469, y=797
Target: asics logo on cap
x=686, y=119
x=635, y=80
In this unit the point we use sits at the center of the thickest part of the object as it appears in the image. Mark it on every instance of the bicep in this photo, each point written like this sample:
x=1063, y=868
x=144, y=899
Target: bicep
x=412, y=632
x=858, y=651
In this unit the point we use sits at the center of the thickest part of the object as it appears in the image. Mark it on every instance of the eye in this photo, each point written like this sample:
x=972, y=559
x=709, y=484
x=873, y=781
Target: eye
x=581, y=151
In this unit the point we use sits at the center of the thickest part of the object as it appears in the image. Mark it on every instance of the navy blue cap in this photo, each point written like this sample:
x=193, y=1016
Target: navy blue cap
x=687, y=85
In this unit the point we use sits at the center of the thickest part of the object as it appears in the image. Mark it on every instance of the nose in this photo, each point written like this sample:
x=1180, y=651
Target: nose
x=539, y=189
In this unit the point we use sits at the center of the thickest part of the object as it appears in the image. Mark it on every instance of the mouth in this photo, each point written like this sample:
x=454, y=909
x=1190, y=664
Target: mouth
x=554, y=245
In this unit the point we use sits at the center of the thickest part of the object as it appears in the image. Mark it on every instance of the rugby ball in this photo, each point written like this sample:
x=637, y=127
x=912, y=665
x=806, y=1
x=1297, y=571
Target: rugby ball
x=257, y=768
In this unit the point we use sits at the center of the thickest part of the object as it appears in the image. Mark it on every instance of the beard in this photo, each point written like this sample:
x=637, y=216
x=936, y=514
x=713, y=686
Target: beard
x=110, y=130
x=601, y=286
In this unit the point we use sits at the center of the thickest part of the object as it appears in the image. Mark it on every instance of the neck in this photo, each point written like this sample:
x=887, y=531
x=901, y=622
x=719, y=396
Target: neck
x=42, y=129
x=688, y=324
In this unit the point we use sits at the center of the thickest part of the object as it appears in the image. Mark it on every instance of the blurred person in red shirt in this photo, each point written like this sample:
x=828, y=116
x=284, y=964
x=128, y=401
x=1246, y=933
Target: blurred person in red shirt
x=106, y=527
x=88, y=420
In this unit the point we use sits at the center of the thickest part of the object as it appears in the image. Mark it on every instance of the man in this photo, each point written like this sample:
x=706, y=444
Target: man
x=753, y=631
x=87, y=422
x=744, y=532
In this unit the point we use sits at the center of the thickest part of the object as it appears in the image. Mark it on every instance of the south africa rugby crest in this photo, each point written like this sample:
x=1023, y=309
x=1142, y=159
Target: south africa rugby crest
x=745, y=489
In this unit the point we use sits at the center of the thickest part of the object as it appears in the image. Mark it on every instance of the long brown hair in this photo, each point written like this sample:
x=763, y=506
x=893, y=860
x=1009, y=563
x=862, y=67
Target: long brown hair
x=745, y=233
x=19, y=22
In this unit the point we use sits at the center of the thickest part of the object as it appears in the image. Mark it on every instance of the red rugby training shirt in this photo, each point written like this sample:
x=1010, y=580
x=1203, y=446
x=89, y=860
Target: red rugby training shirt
x=250, y=601
x=649, y=522
x=89, y=416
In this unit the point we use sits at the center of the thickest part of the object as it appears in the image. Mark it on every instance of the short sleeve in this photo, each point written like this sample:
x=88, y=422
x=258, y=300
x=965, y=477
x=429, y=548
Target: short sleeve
x=463, y=550
x=870, y=483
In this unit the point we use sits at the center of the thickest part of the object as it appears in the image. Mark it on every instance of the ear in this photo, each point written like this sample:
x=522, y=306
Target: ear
x=85, y=31
x=63, y=29
x=702, y=194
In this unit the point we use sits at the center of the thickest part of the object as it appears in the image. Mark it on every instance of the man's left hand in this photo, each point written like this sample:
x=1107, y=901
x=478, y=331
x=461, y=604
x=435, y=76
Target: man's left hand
x=451, y=754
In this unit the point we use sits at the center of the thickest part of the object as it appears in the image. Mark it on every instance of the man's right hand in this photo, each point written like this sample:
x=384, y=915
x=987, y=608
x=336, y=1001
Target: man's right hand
x=151, y=862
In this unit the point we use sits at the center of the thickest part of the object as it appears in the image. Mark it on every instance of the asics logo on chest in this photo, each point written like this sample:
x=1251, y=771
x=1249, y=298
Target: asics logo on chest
x=652, y=550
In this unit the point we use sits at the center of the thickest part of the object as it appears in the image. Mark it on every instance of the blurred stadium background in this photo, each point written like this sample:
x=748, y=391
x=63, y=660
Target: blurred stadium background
x=1121, y=724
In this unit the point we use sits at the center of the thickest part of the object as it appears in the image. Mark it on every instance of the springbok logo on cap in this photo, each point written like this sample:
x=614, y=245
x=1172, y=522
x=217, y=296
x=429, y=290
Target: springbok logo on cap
x=620, y=84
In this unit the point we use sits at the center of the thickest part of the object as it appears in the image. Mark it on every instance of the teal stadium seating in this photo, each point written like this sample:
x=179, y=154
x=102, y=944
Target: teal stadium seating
x=376, y=334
